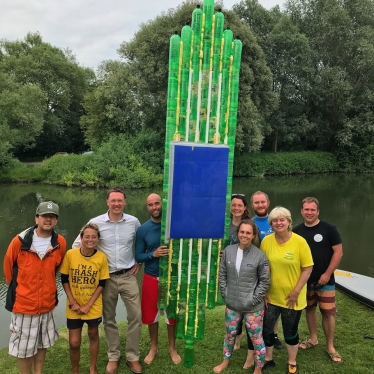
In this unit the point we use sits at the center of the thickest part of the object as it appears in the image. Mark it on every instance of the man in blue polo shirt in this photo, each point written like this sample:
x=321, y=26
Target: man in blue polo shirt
x=260, y=203
x=148, y=251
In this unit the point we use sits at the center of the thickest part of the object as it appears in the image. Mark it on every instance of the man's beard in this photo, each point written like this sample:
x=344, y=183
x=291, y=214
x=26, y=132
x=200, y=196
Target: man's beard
x=156, y=215
x=261, y=215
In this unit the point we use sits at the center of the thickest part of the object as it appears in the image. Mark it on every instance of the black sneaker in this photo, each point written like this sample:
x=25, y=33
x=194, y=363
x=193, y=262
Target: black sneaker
x=268, y=364
x=277, y=343
x=292, y=369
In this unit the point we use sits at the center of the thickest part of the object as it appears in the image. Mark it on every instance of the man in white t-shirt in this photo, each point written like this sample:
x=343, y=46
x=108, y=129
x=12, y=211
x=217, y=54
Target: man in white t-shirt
x=36, y=253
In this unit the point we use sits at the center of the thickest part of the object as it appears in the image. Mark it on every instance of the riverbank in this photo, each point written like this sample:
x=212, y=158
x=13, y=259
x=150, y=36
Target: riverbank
x=354, y=320
x=99, y=170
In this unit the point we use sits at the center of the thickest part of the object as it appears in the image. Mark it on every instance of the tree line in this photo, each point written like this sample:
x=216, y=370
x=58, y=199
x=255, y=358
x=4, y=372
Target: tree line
x=306, y=84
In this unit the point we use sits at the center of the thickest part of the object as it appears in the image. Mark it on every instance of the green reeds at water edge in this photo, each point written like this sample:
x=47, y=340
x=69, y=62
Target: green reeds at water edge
x=203, y=87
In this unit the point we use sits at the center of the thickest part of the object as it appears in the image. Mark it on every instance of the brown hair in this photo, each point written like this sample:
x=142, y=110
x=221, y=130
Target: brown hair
x=256, y=234
x=246, y=214
x=260, y=193
x=92, y=226
x=310, y=200
x=115, y=189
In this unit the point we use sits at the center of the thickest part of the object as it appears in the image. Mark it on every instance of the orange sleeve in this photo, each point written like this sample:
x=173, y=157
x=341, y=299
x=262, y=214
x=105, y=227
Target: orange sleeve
x=62, y=249
x=10, y=258
x=62, y=245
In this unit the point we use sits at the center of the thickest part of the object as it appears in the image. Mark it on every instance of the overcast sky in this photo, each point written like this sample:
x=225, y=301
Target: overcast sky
x=92, y=29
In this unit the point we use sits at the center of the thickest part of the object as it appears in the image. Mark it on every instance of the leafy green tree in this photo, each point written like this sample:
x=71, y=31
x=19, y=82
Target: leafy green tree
x=139, y=104
x=289, y=57
x=111, y=107
x=21, y=116
x=341, y=34
x=37, y=65
x=21, y=111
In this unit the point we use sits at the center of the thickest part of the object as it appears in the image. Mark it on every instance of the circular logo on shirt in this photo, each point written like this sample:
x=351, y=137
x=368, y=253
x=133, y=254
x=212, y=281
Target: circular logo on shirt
x=318, y=238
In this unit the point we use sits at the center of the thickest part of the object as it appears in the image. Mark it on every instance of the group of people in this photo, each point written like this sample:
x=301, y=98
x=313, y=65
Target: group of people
x=99, y=268
x=292, y=270
x=267, y=271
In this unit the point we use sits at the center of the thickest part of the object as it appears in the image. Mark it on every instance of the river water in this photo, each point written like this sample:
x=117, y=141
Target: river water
x=345, y=200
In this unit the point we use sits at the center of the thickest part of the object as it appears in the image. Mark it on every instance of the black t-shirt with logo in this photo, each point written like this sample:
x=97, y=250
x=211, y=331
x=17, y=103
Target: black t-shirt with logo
x=321, y=238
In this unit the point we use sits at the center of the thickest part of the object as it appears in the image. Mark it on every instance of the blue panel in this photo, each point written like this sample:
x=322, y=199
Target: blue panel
x=198, y=203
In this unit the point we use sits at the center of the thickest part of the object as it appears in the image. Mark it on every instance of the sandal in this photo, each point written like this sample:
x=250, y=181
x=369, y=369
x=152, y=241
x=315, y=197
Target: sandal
x=335, y=355
x=308, y=344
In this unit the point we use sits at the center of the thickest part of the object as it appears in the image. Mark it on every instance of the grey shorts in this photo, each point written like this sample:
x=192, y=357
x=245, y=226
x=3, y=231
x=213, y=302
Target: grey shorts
x=30, y=333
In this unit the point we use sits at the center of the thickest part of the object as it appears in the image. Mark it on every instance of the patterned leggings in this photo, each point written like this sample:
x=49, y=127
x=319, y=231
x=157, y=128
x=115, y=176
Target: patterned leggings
x=253, y=324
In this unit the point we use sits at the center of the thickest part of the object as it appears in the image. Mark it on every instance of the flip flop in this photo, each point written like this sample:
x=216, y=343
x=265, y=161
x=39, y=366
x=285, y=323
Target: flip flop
x=334, y=355
x=307, y=344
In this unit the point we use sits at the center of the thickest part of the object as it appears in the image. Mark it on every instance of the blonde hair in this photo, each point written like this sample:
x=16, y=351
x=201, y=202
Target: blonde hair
x=280, y=211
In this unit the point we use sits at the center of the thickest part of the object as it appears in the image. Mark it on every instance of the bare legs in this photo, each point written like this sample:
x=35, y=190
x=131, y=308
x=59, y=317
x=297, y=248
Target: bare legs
x=172, y=350
x=75, y=339
x=276, y=327
x=225, y=363
x=250, y=361
x=222, y=366
x=312, y=321
x=292, y=353
x=93, y=336
x=238, y=340
x=153, y=334
x=269, y=353
x=25, y=364
x=328, y=325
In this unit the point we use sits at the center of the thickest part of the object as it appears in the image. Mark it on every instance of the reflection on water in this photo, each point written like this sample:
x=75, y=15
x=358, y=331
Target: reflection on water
x=346, y=201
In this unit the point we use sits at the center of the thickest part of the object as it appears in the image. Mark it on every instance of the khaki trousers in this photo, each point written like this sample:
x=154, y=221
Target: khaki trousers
x=127, y=287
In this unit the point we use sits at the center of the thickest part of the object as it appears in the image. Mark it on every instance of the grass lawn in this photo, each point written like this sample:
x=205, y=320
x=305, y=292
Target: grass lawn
x=354, y=320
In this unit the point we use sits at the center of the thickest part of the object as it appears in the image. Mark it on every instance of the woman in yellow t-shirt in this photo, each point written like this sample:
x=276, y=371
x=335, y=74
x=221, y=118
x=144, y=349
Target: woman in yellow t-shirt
x=83, y=274
x=291, y=264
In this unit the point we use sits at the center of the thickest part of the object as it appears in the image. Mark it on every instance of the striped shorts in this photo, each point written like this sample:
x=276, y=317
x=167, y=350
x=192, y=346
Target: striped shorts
x=323, y=296
x=30, y=333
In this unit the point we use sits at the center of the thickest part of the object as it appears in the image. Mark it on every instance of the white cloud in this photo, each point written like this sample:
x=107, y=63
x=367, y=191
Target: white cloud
x=92, y=29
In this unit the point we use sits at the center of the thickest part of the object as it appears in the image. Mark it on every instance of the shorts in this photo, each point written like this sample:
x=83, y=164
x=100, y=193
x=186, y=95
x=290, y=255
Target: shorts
x=30, y=333
x=323, y=296
x=77, y=323
x=150, y=312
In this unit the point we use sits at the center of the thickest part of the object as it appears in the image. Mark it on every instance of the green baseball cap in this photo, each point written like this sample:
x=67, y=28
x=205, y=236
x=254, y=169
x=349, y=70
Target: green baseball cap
x=47, y=207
